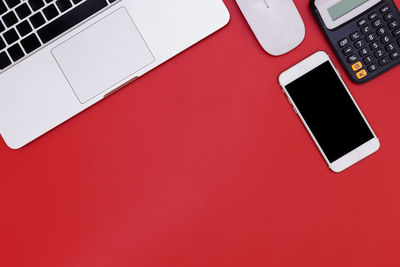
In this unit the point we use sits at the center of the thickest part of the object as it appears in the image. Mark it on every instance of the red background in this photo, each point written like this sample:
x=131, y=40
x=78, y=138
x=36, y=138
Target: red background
x=202, y=162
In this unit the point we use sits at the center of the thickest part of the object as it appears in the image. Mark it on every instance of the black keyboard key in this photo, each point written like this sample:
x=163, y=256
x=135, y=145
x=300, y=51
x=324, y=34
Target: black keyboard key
x=4, y=61
x=3, y=8
x=24, y=28
x=15, y=52
x=2, y=28
x=37, y=20
x=36, y=4
x=77, y=1
x=23, y=11
x=2, y=44
x=10, y=19
x=395, y=55
x=11, y=36
x=372, y=68
x=384, y=61
x=63, y=5
x=70, y=19
x=30, y=43
x=50, y=12
x=12, y=3
x=394, y=24
x=398, y=42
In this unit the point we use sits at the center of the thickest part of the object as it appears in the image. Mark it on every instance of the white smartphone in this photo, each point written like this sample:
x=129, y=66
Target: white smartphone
x=329, y=112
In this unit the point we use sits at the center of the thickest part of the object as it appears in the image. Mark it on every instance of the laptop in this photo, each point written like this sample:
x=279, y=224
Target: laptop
x=59, y=57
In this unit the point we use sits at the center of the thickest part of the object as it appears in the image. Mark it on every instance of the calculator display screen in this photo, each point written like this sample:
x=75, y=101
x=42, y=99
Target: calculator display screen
x=329, y=111
x=343, y=7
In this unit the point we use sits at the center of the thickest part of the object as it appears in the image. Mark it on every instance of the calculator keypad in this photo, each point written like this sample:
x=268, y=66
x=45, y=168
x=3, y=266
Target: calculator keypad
x=370, y=45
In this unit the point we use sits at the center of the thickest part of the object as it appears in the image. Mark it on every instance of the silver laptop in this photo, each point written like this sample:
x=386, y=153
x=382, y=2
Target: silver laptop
x=58, y=57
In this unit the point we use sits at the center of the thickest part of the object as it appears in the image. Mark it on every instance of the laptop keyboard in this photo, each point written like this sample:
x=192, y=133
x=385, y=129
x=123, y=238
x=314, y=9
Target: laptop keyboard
x=27, y=25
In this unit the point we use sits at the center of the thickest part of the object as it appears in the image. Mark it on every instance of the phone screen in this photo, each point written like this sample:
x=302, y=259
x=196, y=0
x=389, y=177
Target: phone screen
x=329, y=112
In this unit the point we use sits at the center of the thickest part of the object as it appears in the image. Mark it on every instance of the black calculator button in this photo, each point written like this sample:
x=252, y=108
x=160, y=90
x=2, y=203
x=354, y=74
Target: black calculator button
x=398, y=41
x=381, y=31
x=394, y=24
x=374, y=45
x=359, y=44
x=384, y=9
x=347, y=51
x=394, y=55
x=355, y=36
x=362, y=22
x=370, y=37
x=373, y=16
x=352, y=59
x=368, y=59
x=366, y=29
x=386, y=39
x=379, y=53
x=377, y=23
x=389, y=47
x=344, y=42
x=384, y=61
x=388, y=17
x=363, y=52
x=372, y=68
x=396, y=33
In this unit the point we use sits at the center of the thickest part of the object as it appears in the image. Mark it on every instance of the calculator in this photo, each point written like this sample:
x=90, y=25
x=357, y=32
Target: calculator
x=365, y=34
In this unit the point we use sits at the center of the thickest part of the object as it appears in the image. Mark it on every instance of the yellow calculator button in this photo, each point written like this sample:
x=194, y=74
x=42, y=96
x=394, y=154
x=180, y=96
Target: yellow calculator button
x=356, y=66
x=361, y=74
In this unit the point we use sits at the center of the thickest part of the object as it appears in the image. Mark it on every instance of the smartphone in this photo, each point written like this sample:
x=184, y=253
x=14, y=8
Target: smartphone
x=328, y=111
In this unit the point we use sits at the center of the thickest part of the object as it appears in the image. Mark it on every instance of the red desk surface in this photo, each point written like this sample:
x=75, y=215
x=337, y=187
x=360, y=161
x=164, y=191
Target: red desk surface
x=202, y=162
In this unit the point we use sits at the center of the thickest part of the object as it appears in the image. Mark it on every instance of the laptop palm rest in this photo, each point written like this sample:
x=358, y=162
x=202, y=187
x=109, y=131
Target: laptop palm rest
x=102, y=56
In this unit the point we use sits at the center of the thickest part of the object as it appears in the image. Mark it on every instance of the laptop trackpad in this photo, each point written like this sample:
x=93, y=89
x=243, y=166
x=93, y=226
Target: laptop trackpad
x=103, y=55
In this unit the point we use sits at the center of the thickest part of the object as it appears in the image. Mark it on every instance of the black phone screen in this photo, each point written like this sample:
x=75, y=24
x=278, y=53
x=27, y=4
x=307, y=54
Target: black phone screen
x=329, y=111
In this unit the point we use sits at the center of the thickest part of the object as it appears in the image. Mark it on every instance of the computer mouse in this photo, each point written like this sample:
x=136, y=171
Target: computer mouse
x=277, y=24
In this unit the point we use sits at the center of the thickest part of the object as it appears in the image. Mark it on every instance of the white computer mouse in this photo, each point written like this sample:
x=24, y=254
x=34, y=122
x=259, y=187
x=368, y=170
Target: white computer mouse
x=277, y=24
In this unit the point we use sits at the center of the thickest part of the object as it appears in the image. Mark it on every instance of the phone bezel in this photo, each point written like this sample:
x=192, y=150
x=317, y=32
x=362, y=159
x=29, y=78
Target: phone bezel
x=303, y=68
